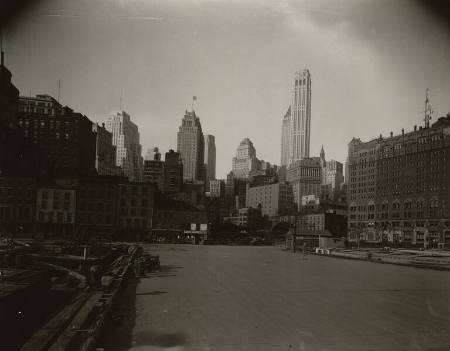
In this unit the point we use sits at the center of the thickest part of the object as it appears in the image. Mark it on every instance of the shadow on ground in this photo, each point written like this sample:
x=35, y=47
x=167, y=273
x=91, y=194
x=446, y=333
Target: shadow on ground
x=164, y=271
x=152, y=293
x=163, y=340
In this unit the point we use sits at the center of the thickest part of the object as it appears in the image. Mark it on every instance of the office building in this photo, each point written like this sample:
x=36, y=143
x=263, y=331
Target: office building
x=285, y=137
x=9, y=97
x=273, y=199
x=173, y=172
x=191, y=146
x=105, y=151
x=126, y=139
x=154, y=168
x=305, y=177
x=398, y=187
x=300, y=118
x=210, y=158
x=245, y=161
x=41, y=104
x=217, y=188
x=62, y=144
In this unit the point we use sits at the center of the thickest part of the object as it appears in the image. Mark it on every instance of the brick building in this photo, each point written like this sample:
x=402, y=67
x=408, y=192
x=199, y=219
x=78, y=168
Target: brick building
x=135, y=209
x=17, y=205
x=96, y=207
x=273, y=199
x=64, y=143
x=154, y=168
x=173, y=172
x=399, y=187
x=9, y=97
x=305, y=177
x=55, y=209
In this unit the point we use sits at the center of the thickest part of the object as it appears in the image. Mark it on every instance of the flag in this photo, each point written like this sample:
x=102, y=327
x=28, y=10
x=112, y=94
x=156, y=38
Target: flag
x=194, y=98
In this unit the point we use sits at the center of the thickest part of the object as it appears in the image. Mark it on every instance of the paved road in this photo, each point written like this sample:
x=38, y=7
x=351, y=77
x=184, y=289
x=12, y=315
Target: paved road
x=262, y=298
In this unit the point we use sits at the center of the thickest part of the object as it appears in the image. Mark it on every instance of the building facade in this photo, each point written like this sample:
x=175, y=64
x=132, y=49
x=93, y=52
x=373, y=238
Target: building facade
x=126, y=140
x=17, y=205
x=96, y=207
x=285, y=137
x=300, y=120
x=135, y=209
x=173, y=172
x=9, y=99
x=105, y=152
x=305, y=177
x=55, y=210
x=332, y=177
x=217, y=188
x=273, y=199
x=154, y=169
x=210, y=159
x=62, y=144
x=398, y=187
x=191, y=146
x=245, y=161
x=41, y=104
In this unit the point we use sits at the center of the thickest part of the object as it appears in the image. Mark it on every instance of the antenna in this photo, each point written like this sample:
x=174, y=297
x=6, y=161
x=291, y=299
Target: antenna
x=194, y=98
x=59, y=88
x=428, y=111
x=120, y=103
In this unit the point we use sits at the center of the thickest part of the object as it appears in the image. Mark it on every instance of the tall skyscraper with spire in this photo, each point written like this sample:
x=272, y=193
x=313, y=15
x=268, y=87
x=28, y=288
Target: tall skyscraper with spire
x=285, y=136
x=191, y=146
x=300, y=119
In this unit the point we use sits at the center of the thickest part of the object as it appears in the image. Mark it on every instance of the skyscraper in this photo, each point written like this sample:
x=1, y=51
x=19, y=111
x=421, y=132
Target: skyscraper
x=210, y=159
x=285, y=134
x=300, y=119
x=245, y=160
x=126, y=139
x=191, y=145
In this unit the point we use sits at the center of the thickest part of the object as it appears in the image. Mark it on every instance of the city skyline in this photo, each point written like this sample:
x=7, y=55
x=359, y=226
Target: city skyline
x=385, y=65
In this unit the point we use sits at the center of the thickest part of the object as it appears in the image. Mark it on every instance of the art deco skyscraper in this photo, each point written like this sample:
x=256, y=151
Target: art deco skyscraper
x=210, y=158
x=191, y=145
x=245, y=161
x=126, y=139
x=285, y=136
x=300, y=121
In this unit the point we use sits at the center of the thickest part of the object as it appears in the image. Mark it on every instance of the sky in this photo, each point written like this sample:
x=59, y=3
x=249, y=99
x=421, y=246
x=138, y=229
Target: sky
x=370, y=62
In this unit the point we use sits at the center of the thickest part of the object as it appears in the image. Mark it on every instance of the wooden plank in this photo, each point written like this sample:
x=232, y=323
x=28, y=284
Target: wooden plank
x=66, y=337
x=45, y=336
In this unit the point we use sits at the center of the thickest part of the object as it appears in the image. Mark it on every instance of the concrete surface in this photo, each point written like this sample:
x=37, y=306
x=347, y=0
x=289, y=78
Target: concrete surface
x=263, y=298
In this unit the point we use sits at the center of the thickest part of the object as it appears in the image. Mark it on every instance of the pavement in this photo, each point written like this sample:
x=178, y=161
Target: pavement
x=264, y=298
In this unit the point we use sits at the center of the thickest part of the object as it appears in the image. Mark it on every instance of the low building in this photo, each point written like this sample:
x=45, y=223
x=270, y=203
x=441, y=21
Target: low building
x=273, y=199
x=17, y=205
x=56, y=209
x=135, y=209
x=248, y=218
x=97, y=207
